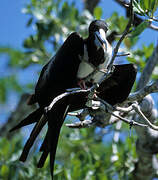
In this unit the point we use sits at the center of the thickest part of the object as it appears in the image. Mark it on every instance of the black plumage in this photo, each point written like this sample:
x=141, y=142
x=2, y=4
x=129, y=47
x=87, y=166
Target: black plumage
x=74, y=61
x=117, y=88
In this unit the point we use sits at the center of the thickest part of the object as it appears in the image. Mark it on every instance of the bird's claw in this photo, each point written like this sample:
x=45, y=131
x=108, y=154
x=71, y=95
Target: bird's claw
x=81, y=83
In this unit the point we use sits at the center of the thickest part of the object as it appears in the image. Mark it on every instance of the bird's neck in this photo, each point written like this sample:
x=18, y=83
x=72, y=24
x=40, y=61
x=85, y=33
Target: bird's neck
x=90, y=42
x=95, y=54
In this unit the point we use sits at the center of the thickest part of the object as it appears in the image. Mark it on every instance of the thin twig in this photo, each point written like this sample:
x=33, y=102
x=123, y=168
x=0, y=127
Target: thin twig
x=139, y=95
x=124, y=109
x=130, y=122
x=153, y=19
x=63, y=95
x=137, y=20
x=126, y=54
x=107, y=105
x=136, y=107
x=82, y=124
x=80, y=115
x=110, y=109
x=126, y=31
x=109, y=71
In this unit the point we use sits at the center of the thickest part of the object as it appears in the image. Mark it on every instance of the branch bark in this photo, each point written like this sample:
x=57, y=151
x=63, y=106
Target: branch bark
x=90, y=5
x=146, y=74
x=19, y=113
x=147, y=142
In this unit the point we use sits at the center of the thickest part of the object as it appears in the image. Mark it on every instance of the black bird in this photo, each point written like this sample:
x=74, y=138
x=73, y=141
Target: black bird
x=70, y=66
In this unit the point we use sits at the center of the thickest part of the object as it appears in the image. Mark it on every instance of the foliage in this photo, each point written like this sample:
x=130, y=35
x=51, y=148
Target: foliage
x=82, y=154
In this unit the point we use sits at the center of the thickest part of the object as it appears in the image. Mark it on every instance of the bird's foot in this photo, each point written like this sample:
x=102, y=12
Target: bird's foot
x=81, y=83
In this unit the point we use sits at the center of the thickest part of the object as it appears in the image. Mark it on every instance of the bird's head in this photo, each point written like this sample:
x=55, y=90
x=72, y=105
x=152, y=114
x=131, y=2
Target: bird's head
x=98, y=29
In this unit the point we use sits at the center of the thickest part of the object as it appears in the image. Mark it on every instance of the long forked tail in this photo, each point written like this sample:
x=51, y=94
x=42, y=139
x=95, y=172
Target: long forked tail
x=55, y=118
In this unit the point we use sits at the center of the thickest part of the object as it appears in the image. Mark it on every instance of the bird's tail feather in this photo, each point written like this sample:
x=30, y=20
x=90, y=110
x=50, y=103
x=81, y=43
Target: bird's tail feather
x=45, y=143
x=52, y=149
x=35, y=132
x=43, y=158
x=45, y=151
x=54, y=127
x=31, y=118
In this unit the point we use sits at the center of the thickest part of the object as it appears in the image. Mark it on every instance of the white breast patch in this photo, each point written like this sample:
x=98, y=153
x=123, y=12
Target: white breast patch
x=84, y=68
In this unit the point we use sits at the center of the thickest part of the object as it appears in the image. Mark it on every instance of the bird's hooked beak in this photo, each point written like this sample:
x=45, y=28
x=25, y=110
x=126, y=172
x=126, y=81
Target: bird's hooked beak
x=101, y=37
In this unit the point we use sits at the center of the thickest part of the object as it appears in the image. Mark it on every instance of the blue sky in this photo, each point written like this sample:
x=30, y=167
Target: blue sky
x=13, y=31
x=13, y=23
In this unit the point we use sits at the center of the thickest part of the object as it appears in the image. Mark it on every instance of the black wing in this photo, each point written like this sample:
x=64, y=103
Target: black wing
x=60, y=72
x=56, y=76
x=113, y=90
x=117, y=88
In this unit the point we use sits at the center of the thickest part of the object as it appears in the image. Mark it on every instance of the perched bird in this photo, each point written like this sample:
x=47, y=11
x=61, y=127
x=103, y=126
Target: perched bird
x=76, y=59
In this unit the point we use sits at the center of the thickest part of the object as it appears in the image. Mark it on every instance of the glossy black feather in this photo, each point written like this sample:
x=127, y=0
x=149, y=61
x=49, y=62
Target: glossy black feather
x=35, y=132
x=117, y=88
x=59, y=74
x=31, y=118
x=113, y=90
x=54, y=130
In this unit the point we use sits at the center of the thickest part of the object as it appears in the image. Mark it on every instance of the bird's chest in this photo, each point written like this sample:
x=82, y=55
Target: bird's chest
x=86, y=67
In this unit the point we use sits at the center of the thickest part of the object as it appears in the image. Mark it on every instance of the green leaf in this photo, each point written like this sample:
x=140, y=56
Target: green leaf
x=2, y=91
x=34, y=2
x=16, y=56
x=29, y=22
x=154, y=76
x=154, y=6
x=137, y=8
x=147, y=4
x=13, y=83
x=140, y=28
x=132, y=60
x=9, y=82
x=148, y=50
x=98, y=12
x=4, y=171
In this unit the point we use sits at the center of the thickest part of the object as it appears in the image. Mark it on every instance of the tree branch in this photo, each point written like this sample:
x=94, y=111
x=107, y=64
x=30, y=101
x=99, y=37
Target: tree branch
x=151, y=63
x=21, y=110
x=140, y=94
x=90, y=5
x=146, y=145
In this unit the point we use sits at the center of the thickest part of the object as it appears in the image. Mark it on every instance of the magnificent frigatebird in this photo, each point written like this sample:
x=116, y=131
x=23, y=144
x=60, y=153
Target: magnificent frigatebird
x=73, y=62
